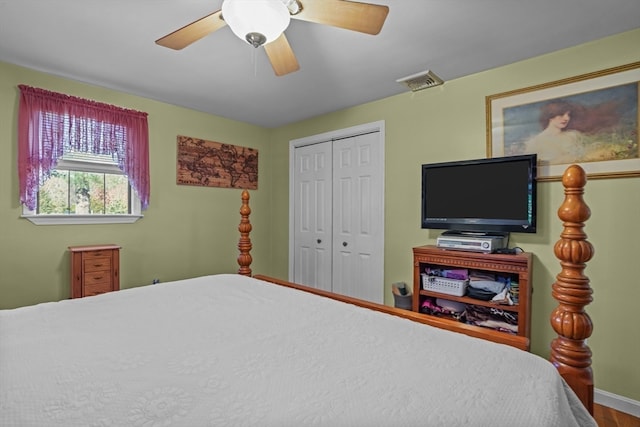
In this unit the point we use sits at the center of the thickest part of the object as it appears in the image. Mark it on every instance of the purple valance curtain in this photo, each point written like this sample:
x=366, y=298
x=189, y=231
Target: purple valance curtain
x=50, y=124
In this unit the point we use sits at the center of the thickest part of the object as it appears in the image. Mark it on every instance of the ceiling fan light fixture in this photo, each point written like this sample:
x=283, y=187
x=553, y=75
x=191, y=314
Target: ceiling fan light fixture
x=256, y=21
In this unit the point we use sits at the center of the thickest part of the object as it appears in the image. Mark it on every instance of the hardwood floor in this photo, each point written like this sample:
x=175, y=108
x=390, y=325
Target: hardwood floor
x=607, y=417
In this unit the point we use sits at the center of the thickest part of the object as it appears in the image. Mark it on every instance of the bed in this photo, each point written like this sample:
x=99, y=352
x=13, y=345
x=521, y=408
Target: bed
x=242, y=350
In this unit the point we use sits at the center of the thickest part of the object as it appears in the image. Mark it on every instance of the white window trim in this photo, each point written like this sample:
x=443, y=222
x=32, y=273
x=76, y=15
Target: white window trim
x=136, y=206
x=80, y=219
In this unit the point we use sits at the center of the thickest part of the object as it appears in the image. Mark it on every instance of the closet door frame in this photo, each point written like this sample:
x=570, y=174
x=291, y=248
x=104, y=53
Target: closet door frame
x=378, y=126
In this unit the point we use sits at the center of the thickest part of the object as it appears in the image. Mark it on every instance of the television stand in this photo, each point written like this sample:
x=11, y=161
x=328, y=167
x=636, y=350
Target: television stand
x=518, y=268
x=470, y=241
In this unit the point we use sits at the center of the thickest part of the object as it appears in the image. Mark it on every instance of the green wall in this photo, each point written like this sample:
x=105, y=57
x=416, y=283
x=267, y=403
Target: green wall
x=188, y=231
x=448, y=123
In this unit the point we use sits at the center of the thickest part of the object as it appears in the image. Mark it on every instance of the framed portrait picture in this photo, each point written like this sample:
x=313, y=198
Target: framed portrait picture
x=591, y=120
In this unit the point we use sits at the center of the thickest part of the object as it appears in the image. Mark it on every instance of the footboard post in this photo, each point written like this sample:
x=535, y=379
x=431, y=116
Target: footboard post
x=244, y=244
x=569, y=351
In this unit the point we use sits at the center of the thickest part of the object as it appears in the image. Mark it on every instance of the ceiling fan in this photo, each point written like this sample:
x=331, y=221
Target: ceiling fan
x=262, y=23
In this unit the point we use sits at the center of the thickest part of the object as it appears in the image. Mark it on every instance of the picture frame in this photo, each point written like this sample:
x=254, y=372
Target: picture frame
x=591, y=120
x=206, y=163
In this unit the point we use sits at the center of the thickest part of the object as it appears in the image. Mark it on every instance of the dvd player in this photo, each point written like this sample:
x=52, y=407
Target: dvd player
x=486, y=244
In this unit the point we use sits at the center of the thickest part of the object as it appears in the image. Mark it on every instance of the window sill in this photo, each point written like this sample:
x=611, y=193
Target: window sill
x=81, y=219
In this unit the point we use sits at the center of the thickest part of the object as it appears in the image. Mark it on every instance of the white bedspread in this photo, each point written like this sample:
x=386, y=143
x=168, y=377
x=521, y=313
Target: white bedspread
x=228, y=350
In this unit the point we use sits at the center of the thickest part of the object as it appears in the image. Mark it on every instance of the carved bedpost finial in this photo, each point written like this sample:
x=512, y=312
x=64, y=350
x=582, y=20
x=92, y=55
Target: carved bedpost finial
x=244, y=244
x=569, y=351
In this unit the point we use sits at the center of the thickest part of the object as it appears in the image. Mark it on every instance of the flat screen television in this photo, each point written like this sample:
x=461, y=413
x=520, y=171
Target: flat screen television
x=481, y=196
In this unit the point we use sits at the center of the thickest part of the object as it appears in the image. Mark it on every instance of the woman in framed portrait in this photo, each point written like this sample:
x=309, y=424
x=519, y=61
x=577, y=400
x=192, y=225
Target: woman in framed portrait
x=558, y=142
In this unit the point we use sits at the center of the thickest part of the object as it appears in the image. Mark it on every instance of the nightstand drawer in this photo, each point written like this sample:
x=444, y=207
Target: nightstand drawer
x=97, y=254
x=95, y=289
x=97, y=264
x=97, y=277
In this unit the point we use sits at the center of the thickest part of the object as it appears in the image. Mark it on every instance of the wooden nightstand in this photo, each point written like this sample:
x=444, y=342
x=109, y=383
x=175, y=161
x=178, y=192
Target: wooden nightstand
x=95, y=269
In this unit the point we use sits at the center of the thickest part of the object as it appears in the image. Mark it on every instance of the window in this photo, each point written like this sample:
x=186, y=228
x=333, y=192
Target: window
x=80, y=162
x=85, y=189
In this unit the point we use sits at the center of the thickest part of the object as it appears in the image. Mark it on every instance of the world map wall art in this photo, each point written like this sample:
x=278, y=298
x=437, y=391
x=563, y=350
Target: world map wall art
x=214, y=164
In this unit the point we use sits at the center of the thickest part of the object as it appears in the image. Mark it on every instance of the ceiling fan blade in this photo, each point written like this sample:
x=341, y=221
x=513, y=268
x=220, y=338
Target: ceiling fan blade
x=190, y=33
x=281, y=56
x=363, y=17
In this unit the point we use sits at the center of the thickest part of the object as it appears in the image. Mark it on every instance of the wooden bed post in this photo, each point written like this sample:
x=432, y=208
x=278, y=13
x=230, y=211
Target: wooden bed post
x=244, y=244
x=569, y=351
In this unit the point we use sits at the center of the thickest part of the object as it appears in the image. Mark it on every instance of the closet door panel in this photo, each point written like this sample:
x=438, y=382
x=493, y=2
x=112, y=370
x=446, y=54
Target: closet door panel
x=312, y=216
x=357, y=260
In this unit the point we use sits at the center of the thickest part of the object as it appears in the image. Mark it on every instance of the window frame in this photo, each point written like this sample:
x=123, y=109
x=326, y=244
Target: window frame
x=83, y=219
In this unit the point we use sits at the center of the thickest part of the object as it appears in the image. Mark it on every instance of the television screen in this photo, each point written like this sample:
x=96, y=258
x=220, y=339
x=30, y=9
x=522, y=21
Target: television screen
x=494, y=195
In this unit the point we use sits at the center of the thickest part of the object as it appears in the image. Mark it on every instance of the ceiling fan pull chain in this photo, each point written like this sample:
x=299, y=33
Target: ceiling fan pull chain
x=255, y=62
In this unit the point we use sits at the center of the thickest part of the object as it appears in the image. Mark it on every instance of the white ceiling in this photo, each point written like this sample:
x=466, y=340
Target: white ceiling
x=110, y=43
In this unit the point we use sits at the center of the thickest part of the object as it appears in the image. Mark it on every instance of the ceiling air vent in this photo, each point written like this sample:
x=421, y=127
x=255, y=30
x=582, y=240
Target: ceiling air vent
x=420, y=81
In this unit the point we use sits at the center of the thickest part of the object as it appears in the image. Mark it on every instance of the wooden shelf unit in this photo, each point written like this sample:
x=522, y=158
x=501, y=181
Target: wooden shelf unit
x=518, y=267
x=95, y=269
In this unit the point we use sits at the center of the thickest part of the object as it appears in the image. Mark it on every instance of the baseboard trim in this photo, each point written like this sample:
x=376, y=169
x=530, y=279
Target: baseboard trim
x=619, y=403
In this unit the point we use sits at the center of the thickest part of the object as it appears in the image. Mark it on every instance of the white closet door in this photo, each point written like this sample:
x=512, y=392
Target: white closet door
x=337, y=212
x=312, y=216
x=358, y=217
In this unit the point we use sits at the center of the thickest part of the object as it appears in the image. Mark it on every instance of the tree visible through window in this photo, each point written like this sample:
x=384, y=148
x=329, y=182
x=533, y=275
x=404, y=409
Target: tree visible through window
x=84, y=193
